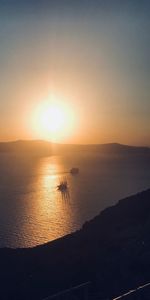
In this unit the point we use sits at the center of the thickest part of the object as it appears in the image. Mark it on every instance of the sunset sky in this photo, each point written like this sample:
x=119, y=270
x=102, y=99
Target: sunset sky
x=90, y=57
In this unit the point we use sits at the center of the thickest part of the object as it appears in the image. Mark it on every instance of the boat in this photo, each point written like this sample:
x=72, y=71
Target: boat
x=63, y=186
x=74, y=171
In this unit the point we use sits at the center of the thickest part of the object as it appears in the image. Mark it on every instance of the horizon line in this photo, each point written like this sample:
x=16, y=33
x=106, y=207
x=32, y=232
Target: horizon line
x=73, y=144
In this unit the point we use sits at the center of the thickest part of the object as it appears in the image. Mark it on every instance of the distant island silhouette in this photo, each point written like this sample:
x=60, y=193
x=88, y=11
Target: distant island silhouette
x=44, y=148
x=112, y=251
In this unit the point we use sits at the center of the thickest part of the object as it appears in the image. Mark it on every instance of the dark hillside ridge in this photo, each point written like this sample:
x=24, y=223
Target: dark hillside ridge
x=46, y=148
x=33, y=147
x=112, y=251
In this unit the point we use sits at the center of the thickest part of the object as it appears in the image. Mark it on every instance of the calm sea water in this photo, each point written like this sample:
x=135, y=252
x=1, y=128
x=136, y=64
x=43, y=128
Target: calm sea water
x=33, y=212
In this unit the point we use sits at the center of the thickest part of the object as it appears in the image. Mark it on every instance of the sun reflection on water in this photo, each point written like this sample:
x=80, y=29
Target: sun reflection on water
x=33, y=211
x=49, y=210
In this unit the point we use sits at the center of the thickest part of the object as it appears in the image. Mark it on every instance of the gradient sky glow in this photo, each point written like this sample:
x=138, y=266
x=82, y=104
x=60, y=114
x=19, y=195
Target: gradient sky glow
x=94, y=54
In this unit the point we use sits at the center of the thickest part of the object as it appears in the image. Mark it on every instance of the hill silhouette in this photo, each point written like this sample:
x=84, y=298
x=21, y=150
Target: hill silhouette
x=112, y=251
x=44, y=148
x=28, y=147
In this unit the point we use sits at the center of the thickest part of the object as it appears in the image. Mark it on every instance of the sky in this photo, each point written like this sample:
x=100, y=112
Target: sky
x=91, y=55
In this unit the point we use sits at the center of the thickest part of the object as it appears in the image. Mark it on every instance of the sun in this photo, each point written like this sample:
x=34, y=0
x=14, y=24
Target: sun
x=53, y=120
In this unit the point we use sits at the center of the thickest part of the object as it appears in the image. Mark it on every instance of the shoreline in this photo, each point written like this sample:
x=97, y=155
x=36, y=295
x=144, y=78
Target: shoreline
x=110, y=251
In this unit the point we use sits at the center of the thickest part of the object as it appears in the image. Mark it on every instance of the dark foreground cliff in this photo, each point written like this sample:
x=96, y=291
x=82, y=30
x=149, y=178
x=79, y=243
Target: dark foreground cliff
x=112, y=251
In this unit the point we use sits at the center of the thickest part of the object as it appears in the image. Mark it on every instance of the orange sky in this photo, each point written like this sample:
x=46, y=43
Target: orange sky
x=95, y=62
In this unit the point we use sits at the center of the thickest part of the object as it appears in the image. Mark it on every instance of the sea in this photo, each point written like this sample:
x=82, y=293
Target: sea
x=33, y=211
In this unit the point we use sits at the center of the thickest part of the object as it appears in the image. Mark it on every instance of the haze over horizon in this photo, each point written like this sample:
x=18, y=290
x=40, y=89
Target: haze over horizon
x=90, y=57
x=71, y=143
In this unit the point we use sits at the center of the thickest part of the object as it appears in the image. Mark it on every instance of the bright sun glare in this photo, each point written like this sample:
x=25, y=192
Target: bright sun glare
x=53, y=120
